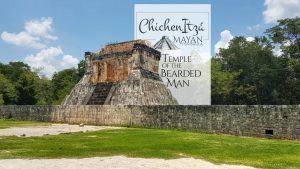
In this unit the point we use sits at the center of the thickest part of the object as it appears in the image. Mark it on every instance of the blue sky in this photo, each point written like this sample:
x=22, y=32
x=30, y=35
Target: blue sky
x=76, y=26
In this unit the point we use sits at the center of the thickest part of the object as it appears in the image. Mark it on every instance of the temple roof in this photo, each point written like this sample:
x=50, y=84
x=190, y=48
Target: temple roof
x=165, y=44
x=126, y=46
x=124, y=49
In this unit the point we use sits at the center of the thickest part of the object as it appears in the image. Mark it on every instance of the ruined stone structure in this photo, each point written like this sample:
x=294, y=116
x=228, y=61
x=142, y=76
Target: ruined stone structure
x=123, y=73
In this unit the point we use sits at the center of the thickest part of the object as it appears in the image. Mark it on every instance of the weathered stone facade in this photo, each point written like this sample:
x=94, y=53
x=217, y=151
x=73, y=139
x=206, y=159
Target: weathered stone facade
x=121, y=74
x=259, y=121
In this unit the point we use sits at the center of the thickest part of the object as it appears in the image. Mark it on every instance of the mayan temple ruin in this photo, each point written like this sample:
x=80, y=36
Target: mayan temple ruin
x=123, y=73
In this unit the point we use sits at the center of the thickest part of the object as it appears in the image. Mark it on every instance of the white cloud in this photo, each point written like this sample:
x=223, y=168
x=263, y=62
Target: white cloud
x=280, y=9
x=250, y=39
x=254, y=27
x=50, y=60
x=35, y=33
x=226, y=36
x=44, y=60
x=69, y=61
x=40, y=27
x=22, y=39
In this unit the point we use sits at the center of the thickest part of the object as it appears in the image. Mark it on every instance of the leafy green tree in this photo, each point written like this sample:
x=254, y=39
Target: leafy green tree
x=288, y=81
x=287, y=35
x=244, y=94
x=43, y=88
x=1, y=99
x=29, y=88
x=13, y=70
x=263, y=78
x=257, y=69
x=62, y=83
x=222, y=83
x=26, y=89
x=7, y=91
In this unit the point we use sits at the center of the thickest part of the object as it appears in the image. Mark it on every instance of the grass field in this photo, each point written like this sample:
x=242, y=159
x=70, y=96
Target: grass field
x=157, y=143
x=6, y=123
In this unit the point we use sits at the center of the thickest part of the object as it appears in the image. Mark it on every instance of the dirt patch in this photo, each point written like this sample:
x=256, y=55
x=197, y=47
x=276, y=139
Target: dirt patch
x=115, y=162
x=53, y=129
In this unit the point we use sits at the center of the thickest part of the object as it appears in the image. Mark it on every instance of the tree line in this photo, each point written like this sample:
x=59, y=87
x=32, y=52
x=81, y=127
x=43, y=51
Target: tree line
x=20, y=85
x=247, y=72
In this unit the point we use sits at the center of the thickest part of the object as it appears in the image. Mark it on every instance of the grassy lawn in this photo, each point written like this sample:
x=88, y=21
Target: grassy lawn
x=157, y=143
x=7, y=123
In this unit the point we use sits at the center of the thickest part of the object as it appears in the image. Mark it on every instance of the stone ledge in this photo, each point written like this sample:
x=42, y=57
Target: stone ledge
x=269, y=121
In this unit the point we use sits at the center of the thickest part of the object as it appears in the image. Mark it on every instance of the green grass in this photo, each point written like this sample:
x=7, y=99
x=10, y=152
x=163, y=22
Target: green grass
x=157, y=143
x=7, y=123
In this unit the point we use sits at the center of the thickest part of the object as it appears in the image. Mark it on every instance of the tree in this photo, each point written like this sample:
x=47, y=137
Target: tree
x=222, y=83
x=1, y=99
x=43, y=88
x=13, y=70
x=26, y=89
x=287, y=35
x=29, y=88
x=256, y=65
x=7, y=91
x=288, y=81
x=62, y=83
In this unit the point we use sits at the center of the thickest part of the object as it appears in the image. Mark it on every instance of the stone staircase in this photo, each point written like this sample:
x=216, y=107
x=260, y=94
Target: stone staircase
x=100, y=93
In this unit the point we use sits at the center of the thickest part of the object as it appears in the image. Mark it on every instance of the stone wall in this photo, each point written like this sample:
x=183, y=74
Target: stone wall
x=259, y=121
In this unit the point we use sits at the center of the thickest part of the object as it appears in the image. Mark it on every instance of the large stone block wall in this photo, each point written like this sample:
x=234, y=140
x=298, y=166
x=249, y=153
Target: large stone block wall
x=141, y=89
x=283, y=121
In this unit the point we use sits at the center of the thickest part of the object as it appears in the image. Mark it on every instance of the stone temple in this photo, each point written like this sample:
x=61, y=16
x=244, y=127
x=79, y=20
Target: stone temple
x=123, y=73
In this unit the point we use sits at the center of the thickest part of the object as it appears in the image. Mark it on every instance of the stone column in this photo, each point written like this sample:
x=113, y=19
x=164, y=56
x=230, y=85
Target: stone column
x=88, y=63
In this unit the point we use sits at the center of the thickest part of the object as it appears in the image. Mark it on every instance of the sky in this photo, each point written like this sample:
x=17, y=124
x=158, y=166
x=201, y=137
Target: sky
x=54, y=34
